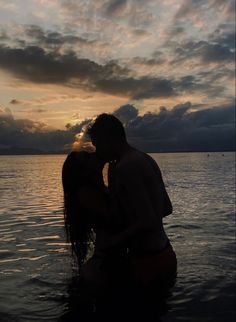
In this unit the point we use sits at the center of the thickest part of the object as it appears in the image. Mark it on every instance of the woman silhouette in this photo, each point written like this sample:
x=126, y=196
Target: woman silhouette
x=83, y=184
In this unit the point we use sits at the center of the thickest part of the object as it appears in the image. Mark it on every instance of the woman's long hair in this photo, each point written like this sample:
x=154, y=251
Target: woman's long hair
x=77, y=226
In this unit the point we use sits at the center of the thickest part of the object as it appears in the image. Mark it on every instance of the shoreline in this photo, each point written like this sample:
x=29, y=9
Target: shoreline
x=6, y=153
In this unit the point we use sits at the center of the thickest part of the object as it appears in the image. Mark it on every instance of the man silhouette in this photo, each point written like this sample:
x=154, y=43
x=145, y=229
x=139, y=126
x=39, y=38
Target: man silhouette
x=139, y=196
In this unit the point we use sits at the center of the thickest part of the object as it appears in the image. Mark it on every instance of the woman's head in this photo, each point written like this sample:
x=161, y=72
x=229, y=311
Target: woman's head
x=80, y=168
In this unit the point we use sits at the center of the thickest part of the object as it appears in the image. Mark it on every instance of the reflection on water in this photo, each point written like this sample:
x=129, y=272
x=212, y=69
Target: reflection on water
x=35, y=264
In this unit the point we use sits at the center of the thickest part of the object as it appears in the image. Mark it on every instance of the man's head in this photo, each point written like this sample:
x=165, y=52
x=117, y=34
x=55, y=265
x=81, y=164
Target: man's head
x=107, y=135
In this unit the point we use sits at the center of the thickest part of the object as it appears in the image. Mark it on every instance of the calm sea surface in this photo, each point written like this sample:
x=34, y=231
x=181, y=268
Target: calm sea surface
x=35, y=264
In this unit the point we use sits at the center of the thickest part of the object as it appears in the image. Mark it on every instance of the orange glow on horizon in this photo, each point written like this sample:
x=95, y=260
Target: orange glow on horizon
x=82, y=143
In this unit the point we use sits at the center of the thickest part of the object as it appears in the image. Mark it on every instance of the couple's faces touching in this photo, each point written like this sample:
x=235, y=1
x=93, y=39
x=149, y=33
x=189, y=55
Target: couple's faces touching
x=89, y=168
x=104, y=148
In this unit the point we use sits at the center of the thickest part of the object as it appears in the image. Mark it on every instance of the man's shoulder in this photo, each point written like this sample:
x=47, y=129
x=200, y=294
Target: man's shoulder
x=140, y=164
x=132, y=162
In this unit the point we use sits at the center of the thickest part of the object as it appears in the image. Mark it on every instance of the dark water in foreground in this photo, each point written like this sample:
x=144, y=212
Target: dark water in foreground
x=35, y=264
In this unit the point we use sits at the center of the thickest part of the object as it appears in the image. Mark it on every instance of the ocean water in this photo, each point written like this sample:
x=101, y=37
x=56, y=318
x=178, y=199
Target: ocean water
x=36, y=268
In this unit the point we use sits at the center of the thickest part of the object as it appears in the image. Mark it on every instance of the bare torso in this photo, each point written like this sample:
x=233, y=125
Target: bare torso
x=137, y=184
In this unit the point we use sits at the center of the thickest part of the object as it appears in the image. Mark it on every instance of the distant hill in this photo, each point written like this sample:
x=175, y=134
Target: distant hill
x=32, y=151
x=29, y=151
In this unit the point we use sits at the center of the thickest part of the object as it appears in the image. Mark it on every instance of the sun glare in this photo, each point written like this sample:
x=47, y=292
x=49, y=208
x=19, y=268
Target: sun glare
x=82, y=142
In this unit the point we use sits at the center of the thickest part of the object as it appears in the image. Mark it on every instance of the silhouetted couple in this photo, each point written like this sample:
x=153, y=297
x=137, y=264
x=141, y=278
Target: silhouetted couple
x=132, y=262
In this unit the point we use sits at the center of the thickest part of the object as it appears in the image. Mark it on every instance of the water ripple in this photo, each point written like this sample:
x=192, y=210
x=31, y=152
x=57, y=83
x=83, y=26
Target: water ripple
x=35, y=261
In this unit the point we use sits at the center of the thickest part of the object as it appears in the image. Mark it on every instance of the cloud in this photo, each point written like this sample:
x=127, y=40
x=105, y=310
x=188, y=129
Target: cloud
x=35, y=64
x=34, y=31
x=135, y=14
x=202, y=83
x=176, y=129
x=8, y=123
x=140, y=88
x=26, y=133
x=5, y=115
x=216, y=53
x=115, y=7
x=51, y=99
x=176, y=32
x=54, y=38
x=181, y=130
x=15, y=102
x=158, y=52
x=150, y=62
x=226, y=7
x=126, y=113
x=192, y=9
x=205, y=51
x=141, y=33
x=189, y=7
x=3, y=35
x=224, y=37
x=31, y=63
x=206, y=40
x=6, y=6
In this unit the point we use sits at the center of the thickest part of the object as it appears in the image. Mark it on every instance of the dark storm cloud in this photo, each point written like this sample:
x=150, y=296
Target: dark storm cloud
x=49, y=38
x=140, y=88
x=205, y=51
x=148, y=61
x=203, y=82
x=217, y=74
x=34, y=31
x=126, y=113
x=79, y=127
x=114, y=7
x=35, y=64
x=216, y=53
x=25, y=133
x=219, y=48
x=188, y=83
x=181, y=130
x=177, y=129
x=224, y=38
x=134, y=13
x=9, y=126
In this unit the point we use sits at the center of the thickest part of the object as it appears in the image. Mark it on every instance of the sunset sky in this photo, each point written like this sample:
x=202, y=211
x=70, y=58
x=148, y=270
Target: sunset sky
x=161, y=65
